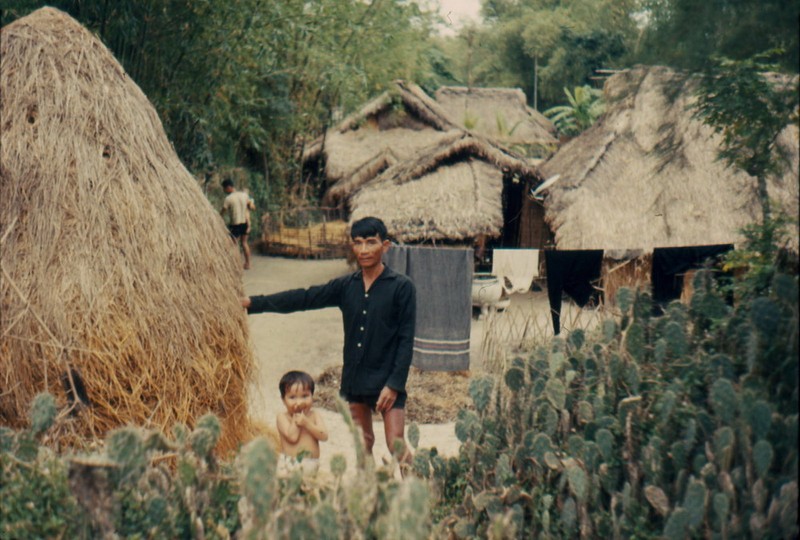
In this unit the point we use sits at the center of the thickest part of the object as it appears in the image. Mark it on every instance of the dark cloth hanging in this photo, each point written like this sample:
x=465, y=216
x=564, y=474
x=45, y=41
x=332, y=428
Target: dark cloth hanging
x=669, y=265
x=571, y=272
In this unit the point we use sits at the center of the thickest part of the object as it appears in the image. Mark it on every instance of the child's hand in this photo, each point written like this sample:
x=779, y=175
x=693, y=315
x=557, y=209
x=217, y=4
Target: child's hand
x=300, y=419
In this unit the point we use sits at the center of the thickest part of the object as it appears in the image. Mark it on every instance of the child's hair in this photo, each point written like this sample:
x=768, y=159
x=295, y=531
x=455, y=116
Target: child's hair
x=291, y=378
x=369, y=226
x=227, y=183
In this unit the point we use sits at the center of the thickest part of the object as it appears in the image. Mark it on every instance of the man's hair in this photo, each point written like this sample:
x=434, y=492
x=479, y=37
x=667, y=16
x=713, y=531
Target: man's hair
x=369, y=226
x=291, y=378
x=227, y=183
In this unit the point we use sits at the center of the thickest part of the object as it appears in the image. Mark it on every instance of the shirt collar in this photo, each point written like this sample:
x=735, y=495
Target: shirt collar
x=387, y=273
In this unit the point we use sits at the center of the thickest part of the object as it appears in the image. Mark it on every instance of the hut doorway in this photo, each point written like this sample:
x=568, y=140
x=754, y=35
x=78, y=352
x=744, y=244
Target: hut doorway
x=513, y=194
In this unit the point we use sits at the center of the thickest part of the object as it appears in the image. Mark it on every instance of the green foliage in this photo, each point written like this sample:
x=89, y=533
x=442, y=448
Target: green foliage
x=145, y=485
x=679, y=443
x=585, y=105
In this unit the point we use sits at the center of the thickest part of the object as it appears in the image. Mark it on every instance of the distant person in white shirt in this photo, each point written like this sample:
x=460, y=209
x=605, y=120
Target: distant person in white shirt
x=238, y=205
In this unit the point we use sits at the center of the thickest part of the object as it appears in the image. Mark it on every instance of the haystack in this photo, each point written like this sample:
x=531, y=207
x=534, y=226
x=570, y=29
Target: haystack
x=647, y=174
x=389, y=129
x=501, y=114
x=453, y=192
x=120, y=287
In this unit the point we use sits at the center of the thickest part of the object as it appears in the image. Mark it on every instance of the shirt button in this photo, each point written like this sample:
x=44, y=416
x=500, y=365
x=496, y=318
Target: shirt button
x=359, y=344
x=362, y=328
x=364, y=312
x=366, y=295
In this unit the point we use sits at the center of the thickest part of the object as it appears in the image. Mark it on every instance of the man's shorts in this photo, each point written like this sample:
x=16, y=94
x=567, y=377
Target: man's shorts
x=238, y=230
x=372, y=400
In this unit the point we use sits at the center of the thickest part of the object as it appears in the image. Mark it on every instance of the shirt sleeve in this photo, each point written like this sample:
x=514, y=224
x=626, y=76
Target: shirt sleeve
x=317, y=297
x=407, y=300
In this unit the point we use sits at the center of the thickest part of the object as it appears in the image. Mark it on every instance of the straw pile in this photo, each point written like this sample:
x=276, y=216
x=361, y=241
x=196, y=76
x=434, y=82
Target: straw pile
x=120, y=286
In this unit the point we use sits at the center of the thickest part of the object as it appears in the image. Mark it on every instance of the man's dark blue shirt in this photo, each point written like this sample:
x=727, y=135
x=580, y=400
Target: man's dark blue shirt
x=378, y=326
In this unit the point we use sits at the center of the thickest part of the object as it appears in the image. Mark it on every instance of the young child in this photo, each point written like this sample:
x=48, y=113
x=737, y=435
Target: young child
x=300, y=428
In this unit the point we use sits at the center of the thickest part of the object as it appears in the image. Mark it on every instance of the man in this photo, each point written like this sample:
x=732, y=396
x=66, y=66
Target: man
x=378, y=309
x=238, y=205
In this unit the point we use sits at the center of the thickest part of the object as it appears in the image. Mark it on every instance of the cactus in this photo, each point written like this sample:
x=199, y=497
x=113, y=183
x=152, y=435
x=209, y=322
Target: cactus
x=578, y=482
x=657, y=499
x=556, y=362
x=642, y=307
x=722, y=366
x=766, y=316
x=628, y=406
x=660, y=351
x=721, y=504
x=677, y=526
x=665, y=405
x=610, y=330
x=784, y=288
x=634, y=342
x=338, y=465
x=759, y=416
x=576, y=339
x=125, y=447
x=694, y=502
x=678, y=453
x=585, y=412
x=409, y=511
x=413, y=435
x=515, y=379
x=605, y=443
x=675, y=336
x=624, y=299
x=569, y=518
x=724, y=439
x=724, y=401
x=762, y=457
x=537, y=444
x=257, y=473
x=480, y=390
x=556, y=393
x=42, y=413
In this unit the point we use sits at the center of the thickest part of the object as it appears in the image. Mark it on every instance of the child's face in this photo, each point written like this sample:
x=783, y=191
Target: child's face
x=298, y=398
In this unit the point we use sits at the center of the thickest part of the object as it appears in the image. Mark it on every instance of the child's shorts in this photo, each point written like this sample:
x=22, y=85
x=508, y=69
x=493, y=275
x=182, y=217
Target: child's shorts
x=287, y=465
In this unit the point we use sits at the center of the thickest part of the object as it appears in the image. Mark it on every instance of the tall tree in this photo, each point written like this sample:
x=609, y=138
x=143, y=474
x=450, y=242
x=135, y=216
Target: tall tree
x=687, y=33
x=543, y=46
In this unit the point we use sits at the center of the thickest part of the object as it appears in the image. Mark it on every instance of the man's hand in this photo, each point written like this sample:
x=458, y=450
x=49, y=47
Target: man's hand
x=386, y=399
x=245, y=302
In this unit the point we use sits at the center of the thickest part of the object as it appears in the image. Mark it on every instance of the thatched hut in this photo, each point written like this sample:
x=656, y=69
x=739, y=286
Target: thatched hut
x=501, y=114
x=391, y=128
x=120, y=287
x=463, y=188
x=647, y=174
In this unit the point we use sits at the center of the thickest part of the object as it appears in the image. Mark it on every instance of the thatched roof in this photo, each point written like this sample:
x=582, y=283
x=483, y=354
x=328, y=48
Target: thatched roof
x=452, y=192
x=499, y=113
x=647, y=174
x=115, y=268
x=390, y=128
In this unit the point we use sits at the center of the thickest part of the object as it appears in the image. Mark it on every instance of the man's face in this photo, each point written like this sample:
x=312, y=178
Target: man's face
x=369, y=250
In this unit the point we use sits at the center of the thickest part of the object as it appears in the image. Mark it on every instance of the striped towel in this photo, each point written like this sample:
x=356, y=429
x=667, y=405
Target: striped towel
x=443, y=279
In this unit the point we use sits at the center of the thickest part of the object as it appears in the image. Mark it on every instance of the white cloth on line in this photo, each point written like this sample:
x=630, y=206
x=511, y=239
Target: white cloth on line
x=516, y=267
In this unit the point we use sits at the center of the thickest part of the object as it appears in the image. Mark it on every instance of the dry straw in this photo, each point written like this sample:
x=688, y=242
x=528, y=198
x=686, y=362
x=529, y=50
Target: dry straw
x=119, y=281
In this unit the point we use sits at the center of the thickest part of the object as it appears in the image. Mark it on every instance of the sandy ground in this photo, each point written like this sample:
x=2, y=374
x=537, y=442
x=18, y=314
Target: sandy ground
x=312, y=341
